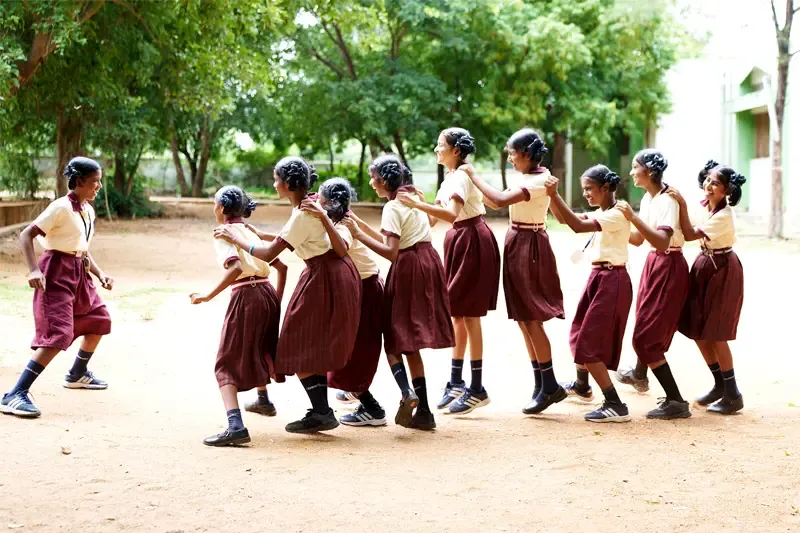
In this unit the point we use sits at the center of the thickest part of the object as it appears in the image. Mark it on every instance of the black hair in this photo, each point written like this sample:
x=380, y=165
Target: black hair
x=732, y=179
x=78, y=168
x=530, y=142
x=461, y=139
x=392, y=171
x=296, y=173
x=235, y=202
x=339, y=194
x=654, y=161
x=602, y=174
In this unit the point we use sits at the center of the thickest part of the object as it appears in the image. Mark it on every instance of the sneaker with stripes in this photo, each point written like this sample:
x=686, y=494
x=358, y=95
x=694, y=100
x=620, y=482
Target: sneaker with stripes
x=469, y=401
x=451, y=394
x=609, y=412
x=363, y=417
x=19, y=404
x=346, y=397
x=575, y=391
x=84, y=381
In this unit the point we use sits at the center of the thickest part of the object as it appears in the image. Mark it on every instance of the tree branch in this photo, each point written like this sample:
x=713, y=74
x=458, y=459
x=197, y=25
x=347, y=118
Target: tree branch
x=775, y=17
x=345, y=53
x=138, y=16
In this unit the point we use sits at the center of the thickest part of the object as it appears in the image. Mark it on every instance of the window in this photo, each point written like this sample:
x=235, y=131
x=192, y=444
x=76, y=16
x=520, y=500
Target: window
x=762, y=135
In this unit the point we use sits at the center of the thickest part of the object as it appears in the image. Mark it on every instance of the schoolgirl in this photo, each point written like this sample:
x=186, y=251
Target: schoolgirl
x=530, y=276
x=472, y=264
x=663, y=285
x=65, y=302
x=319, y=328
x=710, y=316
x=246, y=355
x=415, y=312
x=599, y=325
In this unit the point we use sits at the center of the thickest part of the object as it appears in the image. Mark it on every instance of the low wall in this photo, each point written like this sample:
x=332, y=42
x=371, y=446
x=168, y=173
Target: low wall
x=18, y=212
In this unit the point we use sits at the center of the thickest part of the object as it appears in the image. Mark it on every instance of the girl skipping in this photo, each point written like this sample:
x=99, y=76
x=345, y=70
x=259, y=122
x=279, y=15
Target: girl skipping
x=602, y=314
x=415, y=313
x=319, y=327
x=356, y=377
x=716, y=283
x=663, y=285
x=472, y=264
x=246, y=355
x=530, y=276
x=65, y=302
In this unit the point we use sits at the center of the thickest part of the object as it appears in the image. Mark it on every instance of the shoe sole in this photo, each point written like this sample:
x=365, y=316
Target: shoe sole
x=84, y=386
x=21, y=414
x=582, y=399
x=553, y=401
x=372, y=423
x=428, y=427
x=616, y=419
x=687, y=414
x=405, y=413
x=326, y=427
x=237, y=442
x=483, y=403
x=262, y=412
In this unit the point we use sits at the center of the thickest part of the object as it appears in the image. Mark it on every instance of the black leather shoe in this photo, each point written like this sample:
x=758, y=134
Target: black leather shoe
x=406, y=410
x=313, y=422
x=726, y=406
x=266, y=409
x=706, y=400
x=229, y=438
x=670, y=410
x=543, y=401
x=423, y=419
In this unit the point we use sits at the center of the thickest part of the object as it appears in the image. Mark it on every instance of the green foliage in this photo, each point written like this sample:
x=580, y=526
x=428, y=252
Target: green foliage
x=137, y=205
x=18, y=173
x=251, y=169
x=364, y=192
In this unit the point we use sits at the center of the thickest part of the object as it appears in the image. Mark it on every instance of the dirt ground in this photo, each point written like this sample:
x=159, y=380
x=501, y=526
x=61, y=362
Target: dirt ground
x=137, y=462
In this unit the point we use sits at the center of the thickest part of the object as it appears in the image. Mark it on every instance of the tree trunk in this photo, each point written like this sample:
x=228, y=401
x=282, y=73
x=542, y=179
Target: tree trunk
x=132, y=173
x=361, y=166
x=205, y=152
x=503, y=161
x=439, y=176
x=176, y=158
x=398, y=143
x=119, y=172
x=69, y=137
x=330, y=155
x=559, y=166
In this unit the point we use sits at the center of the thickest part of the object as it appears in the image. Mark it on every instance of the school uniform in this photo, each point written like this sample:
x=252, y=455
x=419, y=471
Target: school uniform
x=360, y=370
x=599, y=325
x=530, y=275
x=471, y=255
x=247, y=346
x=319, y=327
x=416, y=312
x=69, y=307
x=716, y=281
x=664, y=282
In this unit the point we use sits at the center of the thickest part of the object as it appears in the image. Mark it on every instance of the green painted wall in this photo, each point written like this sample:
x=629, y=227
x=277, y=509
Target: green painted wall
x=745, y=150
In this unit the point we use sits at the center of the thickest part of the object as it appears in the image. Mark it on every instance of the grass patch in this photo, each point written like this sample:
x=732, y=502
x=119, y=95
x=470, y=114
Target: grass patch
x=15, y=298
x=144, y=303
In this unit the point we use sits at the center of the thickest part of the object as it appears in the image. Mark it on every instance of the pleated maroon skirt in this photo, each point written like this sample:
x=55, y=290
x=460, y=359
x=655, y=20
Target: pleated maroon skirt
x=662, y=293
x=472, y=265
x=416, y=314
x=246, y=355
x=321, y=322
x=530, y=277
x=714, y=302
x=69, y=307
x=357, y=375
x=600, y=320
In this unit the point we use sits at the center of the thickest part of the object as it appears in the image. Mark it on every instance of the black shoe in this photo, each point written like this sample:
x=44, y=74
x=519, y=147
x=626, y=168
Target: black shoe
x=228, y=438
x=258, y=407
x=609, y=412
x=313, y=422
x=423, y=419
x=628, y=377
x=405, y=412
x=726, y=406
x=544, y=400
x=712, y=396
x=574, y=390
x=670, y=409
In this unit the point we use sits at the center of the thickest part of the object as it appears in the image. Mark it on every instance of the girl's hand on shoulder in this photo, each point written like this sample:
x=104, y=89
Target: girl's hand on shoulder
x=626, y=209
x=676, y=195
x=551, y=185
x=351, y=225
x=407, y=199
x=468, y=169
x=198, y=298
x=224, y=232
x=312, y=208
x=36, y=280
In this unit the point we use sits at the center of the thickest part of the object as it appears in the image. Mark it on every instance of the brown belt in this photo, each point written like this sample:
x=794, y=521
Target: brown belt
x=252, y=281
x=519, y=226
x=606, y=265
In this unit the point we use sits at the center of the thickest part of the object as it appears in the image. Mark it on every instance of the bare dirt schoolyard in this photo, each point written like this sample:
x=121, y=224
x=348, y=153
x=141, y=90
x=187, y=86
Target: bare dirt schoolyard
x=136, y=461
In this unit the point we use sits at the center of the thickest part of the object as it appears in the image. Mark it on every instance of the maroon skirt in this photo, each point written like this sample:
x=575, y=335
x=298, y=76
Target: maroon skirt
x=530, y=277
x=320, y=326
x=599, y=325
x=662, y=293
x=246, y=355
x=357, y=375
x=416, y=314
x=69, y=307
x=472, y=264
x=714, y=302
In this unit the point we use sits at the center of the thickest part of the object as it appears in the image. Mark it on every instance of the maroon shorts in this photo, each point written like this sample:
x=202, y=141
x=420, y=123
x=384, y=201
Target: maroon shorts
x=530, y=277
x=472, y=265
x=714, y=302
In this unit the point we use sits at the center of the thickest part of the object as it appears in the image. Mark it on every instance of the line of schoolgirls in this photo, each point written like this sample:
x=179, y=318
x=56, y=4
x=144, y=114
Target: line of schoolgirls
x=426, y=303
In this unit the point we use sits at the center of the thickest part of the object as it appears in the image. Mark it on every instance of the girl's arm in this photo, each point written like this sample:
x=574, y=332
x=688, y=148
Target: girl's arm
x=107, y=282
x=234, y=271
x=269, y=237
x=281, y=268
x=316, y=210
x=659, y=238
x=35, y=276
x=366, y=228
x=387, y=247
x=636, y=238
x=689, y=231
x=266, y=253
x=449, y=213
x=492, y=197
x=576, y=224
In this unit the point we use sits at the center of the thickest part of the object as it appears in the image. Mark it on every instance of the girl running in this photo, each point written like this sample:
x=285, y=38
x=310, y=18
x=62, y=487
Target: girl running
x=530, y=276
x=246, y=354
x=472, y=264
x=65, y=302
x=663, y=286
x=320, y=326
x=602, y=314
x=716, y=283
x=415, y=309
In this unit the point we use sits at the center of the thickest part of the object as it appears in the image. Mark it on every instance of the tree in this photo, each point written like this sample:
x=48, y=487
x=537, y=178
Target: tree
x=783, y=35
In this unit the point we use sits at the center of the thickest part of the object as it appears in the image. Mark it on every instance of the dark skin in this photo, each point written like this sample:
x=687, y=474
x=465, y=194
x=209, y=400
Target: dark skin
x=86, y=189
x=658, y=238
x=317, y=210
